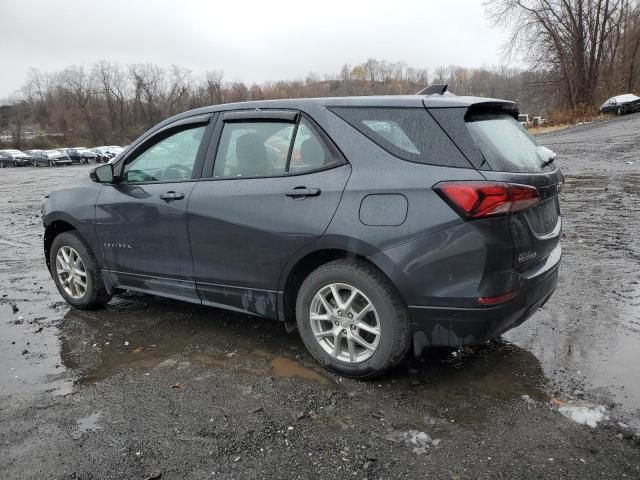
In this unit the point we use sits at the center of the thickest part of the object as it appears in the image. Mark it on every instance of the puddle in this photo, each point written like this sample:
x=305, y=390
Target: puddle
x=161, y=334
x=285, y=367
x=87, y=424
x=468, y=385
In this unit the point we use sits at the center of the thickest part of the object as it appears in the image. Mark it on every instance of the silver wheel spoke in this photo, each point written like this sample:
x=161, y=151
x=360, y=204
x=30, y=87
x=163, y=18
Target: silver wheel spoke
x=336, y=297
x=352, y=297
x=326, y=305
x=352, y=349
x=321, y=318
x=361, y=341
x=325, y=333
x=337, y=341
x=368, y=328
x=363, y=312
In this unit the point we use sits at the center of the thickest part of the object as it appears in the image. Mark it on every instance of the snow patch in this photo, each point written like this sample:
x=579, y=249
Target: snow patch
x=584, y=413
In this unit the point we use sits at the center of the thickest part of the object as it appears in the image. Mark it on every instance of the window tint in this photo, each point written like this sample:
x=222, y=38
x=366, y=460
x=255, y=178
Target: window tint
x=171, y=159
x=408, y=133
x=253, y=149
x=505, y=144
x=309, y=151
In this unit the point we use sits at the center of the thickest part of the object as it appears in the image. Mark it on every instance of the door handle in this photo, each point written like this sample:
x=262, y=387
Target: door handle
x=169, y=196
x=302, y=192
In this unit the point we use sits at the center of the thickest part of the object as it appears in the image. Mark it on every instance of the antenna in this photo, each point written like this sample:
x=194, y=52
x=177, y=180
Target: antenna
x=437, y=89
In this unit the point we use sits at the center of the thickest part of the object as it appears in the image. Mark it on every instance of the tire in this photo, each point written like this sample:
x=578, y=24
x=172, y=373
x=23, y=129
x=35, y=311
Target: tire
x=390, y=315
x=95, y=294
x=620, y=111
x=1, y=164
x=51, y=163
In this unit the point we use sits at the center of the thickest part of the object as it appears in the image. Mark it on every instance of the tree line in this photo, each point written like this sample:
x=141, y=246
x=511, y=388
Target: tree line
x=578, y=52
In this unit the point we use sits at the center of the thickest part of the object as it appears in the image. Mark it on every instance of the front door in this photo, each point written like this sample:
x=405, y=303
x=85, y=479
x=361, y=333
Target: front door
x=275, y=185
x=141, y=220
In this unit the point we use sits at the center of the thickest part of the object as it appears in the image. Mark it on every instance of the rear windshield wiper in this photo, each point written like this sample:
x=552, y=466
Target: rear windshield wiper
x=547, y=153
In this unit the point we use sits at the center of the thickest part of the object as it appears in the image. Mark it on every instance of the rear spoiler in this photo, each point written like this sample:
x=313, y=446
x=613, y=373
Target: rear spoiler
x=501, y=106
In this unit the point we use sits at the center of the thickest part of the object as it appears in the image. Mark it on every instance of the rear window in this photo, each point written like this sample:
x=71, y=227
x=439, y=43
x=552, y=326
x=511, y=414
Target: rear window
x=505, y=145
x=408, y=133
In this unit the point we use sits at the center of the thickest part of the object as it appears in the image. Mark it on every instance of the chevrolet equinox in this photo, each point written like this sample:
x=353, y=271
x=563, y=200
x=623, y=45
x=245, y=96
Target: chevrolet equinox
x=372, y=224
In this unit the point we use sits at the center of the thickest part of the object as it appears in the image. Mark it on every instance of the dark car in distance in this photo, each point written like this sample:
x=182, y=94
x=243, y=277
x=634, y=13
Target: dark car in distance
x=6, y=160
x=56, y=157
x=81, y=155
x=15, y=158
x=372, y=224
x=621, y=104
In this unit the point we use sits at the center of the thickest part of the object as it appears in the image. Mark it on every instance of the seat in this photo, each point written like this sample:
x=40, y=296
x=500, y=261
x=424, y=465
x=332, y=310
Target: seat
x=251, y=156
x=312, y=155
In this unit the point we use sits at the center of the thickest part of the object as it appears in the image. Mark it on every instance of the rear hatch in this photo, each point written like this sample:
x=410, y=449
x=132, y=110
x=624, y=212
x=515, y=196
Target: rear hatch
x=503, y=151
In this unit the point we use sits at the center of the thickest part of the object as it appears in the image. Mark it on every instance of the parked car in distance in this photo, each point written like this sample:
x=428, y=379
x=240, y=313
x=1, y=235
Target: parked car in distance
x=38, y=158
x=524, y=120
x=81, y=155
x=106, y=152
x=57, y=157
x=371, y=224
x=621, y=104
x=18, y=158
x=6, y=160
x=101, y=157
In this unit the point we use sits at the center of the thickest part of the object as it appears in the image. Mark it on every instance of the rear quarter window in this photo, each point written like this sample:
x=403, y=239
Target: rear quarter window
x=407, y=133
x=505, y=144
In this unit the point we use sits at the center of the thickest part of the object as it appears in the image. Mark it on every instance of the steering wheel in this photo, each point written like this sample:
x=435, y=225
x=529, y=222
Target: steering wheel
x=177, y=171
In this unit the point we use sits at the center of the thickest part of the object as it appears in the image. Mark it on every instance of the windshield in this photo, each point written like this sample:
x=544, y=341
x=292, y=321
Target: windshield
x=505, y=144
x=629, y=97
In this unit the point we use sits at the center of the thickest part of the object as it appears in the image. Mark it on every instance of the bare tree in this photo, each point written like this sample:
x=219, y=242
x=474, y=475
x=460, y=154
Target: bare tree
x=577, y=40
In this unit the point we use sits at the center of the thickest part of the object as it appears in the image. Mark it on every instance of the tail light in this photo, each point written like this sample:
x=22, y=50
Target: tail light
x=479, y=199
x=495, y=300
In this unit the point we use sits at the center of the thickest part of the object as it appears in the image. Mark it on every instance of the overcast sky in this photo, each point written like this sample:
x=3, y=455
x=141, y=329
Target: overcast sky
x=249, y=40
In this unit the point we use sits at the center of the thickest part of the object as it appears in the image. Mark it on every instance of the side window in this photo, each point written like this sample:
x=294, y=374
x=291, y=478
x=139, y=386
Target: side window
x=253, y=149
x=263, y=149
x=169, y=160
x=407, y=133
x=309, y=151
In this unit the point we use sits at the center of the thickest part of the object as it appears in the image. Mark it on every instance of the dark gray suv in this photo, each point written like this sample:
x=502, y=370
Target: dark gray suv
x=372, y=224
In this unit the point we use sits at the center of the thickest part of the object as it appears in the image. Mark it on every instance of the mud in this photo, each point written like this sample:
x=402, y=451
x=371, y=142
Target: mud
x=151, y=386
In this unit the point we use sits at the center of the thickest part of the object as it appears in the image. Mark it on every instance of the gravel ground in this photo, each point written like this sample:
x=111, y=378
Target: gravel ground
x=151, y=388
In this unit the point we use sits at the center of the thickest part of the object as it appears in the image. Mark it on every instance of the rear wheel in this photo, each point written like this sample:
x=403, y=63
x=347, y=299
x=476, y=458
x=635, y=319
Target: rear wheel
x=352, y=319
x=76, y=272
x=620, y=111
x=51, y=163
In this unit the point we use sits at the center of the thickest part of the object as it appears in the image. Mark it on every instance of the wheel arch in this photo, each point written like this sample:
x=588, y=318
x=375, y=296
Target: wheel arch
x=303, y=264
x=52, y=230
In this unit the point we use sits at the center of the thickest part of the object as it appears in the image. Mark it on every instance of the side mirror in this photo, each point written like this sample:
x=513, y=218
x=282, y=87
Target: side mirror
x=102, y=174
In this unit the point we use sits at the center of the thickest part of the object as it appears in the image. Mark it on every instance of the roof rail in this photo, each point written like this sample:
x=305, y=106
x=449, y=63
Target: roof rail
x=436, y=89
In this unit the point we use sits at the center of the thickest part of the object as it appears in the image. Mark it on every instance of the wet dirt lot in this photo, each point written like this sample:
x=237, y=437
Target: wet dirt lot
x=150, y=387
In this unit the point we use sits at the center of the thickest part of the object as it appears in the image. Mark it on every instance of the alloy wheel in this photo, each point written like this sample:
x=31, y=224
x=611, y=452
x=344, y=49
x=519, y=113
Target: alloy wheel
x=71, y=272
x=345, y=323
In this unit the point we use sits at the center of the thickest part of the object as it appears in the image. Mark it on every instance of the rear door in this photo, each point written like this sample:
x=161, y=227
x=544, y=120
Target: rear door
x=274, y=183
x=141, y=221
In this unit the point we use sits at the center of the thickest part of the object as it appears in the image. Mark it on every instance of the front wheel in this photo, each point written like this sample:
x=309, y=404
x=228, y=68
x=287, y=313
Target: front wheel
x=352, y=319
x=76, y=272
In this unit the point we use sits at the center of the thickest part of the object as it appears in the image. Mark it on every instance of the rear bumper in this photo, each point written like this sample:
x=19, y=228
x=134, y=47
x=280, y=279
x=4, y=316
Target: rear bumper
x=457, y=326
